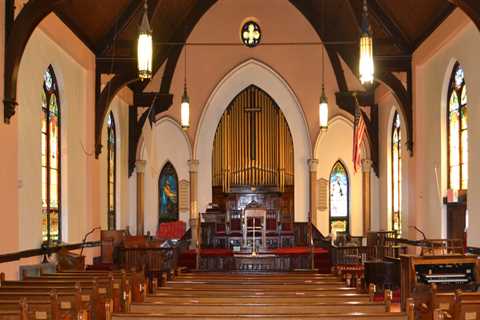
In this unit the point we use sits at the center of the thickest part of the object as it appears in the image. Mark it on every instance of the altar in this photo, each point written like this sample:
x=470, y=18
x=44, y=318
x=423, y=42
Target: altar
x=256, y=226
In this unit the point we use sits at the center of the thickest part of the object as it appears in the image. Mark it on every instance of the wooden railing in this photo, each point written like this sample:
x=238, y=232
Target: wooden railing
x=45, y=251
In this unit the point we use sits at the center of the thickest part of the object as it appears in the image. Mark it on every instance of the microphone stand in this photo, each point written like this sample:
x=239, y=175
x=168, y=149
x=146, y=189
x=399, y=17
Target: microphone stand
x=85, y=238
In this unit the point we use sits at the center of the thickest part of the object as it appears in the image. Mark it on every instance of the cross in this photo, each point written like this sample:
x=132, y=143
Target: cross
x=253, y=131
x=251, y=34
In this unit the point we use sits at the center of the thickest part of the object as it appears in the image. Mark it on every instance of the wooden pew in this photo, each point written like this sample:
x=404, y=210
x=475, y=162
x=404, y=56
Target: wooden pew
x=137, y=279
x=97, y=299
x=17, y=312
x=253, y=291
x=257, y=285
x=318, y=316
x=268, y=298
x=240, y=308
x=444, y=301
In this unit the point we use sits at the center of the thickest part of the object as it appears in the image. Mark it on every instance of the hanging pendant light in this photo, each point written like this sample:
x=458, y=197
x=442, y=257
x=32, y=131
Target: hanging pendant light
x=185, y=106
x=323, y=106
x=145, y=47
x=366, y=67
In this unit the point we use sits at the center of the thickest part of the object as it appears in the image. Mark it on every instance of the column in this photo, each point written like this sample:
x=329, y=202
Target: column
x=312, y=210
x=194, y=214
x=366, y=194
x=140, y=168
x=313, y=164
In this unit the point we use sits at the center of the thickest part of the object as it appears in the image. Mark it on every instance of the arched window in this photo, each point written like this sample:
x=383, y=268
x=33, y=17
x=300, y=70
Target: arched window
x=339, y=199
x=457, y=131
x=168, y=194
x=51, y=166
x=396, y=173
x=111, y=172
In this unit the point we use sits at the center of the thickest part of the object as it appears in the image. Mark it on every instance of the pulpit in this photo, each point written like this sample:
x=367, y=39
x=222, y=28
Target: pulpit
x=254, y=226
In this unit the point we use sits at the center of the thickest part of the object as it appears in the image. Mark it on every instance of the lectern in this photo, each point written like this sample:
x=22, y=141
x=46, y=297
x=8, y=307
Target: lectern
x=254, y=213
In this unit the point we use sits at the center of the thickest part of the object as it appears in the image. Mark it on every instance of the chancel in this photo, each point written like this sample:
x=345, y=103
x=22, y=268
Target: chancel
x=219, y=159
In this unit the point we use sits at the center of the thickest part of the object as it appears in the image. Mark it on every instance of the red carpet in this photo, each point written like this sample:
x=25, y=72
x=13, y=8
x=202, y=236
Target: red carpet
x=322, y=256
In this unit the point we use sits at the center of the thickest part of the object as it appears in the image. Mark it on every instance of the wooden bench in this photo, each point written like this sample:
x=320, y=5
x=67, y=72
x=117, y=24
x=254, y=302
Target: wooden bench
x=241, y=308
x=98, y=301
x=317, y=316
x=267, y=298
x=17, y=312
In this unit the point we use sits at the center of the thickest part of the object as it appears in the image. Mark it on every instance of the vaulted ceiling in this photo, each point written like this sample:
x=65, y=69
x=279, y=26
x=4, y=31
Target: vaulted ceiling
x=109, y=28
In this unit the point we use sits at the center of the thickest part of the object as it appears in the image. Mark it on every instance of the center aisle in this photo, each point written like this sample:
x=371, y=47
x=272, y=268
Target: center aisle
x=260, y=296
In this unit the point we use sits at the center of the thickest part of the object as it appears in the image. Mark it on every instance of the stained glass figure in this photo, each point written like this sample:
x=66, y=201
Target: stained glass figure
x=457, y=131
x=339, y=198
x=396, y=173
x=50, y=159
x=251, y=34
x=168, y=194
x=111, y=172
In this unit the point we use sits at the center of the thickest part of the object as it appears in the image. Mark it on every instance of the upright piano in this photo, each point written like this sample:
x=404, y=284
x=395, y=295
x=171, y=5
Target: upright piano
x=447, y=272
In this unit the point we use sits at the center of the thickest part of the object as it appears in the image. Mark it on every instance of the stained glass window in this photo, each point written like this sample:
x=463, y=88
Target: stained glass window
x=168, y=194
x=51, y=173
x=457, y=131
x=111, y=172
x=339, y=197
x=396, y=173
x=251, y=34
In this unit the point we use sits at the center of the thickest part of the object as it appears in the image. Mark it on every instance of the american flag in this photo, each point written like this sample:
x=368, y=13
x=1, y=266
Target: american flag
x=358, y=133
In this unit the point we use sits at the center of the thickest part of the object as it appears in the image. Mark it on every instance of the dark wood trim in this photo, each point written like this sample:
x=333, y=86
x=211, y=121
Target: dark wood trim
x=119, y=26
x=436, y=22
x=14, y=256
x=132, y=138
x=346, y=101
x=390, y=26
x=404, y=99
x=9, y=17
x=471, y=8
x=32, y=13
x=102, y=103
x=337, y=68
x=76, y=29
x=473, y=250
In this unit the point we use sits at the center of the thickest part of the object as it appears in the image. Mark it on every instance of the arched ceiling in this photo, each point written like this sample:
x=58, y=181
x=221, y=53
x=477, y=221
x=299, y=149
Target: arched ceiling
x=109, y=28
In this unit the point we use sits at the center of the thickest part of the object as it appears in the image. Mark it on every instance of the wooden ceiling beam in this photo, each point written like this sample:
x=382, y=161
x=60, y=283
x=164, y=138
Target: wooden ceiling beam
x=159, y=101
x=390, y=26
x=119, y=26
x=102, y=103
x=346, y=99
x=32, y=13
x=434, y=25
x=115, y=65
x=76, y=29
x=471, y=8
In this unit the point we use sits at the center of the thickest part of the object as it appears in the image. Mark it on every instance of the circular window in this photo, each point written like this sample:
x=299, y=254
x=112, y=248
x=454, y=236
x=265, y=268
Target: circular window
x=251, y=34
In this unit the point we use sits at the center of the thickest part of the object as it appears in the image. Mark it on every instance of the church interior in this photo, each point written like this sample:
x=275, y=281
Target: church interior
x=221, y=159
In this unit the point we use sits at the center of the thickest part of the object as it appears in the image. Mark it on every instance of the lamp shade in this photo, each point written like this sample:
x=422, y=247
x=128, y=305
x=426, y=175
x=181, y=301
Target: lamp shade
x=323, y=111
x=185, y=111
x=366, y=67
x=145, y=48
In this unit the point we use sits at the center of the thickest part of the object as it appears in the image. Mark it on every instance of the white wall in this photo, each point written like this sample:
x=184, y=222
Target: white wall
x=336, y=144
x=169, y=144
x=40, y=52
x=119, y=108
x=387, y=106
x=433, y=63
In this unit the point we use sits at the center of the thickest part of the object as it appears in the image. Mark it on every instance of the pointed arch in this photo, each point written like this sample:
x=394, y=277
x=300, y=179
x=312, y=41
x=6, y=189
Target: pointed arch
x=396, y=149
x=168, y=193
x=51, y=158
x=457, y=130
x=339, y=198
x=111, y=172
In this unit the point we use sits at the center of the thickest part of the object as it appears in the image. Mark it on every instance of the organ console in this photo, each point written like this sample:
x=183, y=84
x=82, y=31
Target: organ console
x=447, y=272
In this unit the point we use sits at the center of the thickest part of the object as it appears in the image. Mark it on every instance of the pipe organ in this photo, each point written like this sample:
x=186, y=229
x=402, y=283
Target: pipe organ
x=253, y=146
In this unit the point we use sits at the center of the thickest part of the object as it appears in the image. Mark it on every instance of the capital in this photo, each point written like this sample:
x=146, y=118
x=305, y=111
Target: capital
x=193, y=165
x=313, y=164
x=367, y=165
x=140, y=166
